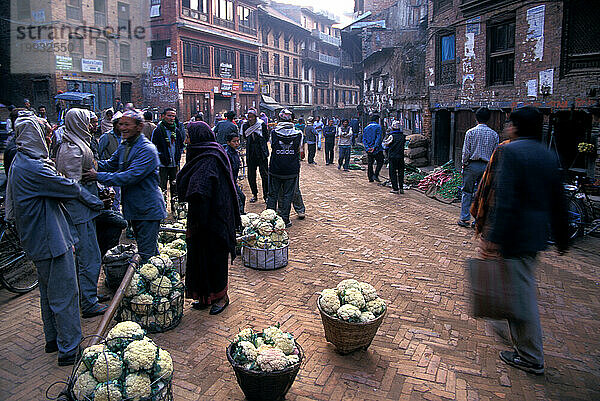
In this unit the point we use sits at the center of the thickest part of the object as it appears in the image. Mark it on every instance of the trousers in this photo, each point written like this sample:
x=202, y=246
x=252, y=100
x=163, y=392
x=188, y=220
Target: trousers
x=281, y=195
x=397, y=172
x=312, y=150
x=371, y=158
x=472, y=173
x=59, y=302
x=344, y=156
x=297, y=201
x=88, y=260
x=146, y=236
x=262, y=166
x=329, y=150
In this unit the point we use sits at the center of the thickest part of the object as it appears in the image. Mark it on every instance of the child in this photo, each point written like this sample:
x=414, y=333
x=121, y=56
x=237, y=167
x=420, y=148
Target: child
x=233, y=143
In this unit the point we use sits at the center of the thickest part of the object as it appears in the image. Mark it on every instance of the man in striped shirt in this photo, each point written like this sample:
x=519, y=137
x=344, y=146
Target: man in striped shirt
x=480, y=143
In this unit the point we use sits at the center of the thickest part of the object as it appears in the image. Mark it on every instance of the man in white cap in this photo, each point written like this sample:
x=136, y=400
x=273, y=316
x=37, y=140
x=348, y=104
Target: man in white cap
x=257, y=153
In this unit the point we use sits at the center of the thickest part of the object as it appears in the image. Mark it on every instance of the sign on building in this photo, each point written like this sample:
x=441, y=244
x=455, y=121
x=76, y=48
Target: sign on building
x=88, y=65
x=248, y=87
x=64, y=63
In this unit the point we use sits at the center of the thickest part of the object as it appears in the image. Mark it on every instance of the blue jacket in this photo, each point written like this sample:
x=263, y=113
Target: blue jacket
x=138, y=179
x=37, y=192
x=372, y=137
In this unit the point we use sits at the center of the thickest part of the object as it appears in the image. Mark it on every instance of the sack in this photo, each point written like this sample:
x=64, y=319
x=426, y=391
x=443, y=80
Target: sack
x=415, y=153
x=495, y=291
x=416, y=141
x=420, y=162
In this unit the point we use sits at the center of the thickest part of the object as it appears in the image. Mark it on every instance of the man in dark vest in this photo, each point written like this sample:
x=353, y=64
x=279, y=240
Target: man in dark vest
x=284, y=165
x=257, y=135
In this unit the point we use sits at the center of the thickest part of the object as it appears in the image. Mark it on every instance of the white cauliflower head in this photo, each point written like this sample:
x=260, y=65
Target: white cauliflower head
x=245, y=221
x=366, y=317
x=293, y=359
x=149, y=271
x=270, y=333
x=123, y=333
x=163, y=305
x=245, y=352
x=161, y=286
x=368, y=291
x=279, y=239
x=89, y=355
x=107, y=367
x=329, y=301
x=271, y=359
x=174, y=252
x=178, y=244
x=163, y=367
x=268, y=215
x=376, y=306
x=349, y=313
x=108, y=392
x=265, y=228
x=246, y=334
x=137, y=386
x=353, y=296
x=285, y=342
x=140, y=354
x=84, y=386
x=136, y=285
x=263, y=242
x=161, y=262
x=142, y=304
x=164, y=319
x=279, y=224
x=348, y=283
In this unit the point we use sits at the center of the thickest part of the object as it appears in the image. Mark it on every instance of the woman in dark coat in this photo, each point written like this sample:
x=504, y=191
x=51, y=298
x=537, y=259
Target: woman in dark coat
x=206, y=183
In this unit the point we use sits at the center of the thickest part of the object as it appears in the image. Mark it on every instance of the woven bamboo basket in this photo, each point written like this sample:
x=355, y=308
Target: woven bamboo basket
x=265, y=386
x=348, y=337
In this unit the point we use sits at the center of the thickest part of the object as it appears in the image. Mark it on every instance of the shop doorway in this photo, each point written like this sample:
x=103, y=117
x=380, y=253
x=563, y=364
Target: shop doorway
x=441, y=137
x=568, y=129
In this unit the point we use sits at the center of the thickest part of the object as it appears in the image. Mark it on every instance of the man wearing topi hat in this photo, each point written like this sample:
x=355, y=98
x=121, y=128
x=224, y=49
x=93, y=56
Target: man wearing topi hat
x=256, y=133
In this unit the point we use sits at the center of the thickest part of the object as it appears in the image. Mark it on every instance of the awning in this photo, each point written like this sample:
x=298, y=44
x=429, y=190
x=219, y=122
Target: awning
x=269, y=103
x=74, y=96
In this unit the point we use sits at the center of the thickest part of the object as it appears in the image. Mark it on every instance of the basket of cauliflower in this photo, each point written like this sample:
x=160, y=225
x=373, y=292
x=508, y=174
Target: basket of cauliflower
x=154, y=297
x=265, y=363
x=171, y=241
x=126, y=366
x=351, y=314
x=267, y=248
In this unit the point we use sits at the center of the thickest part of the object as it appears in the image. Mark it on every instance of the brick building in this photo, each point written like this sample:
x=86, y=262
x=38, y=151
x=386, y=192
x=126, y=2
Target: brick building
x=204, y=56
x=94, y=46
x=504, y=54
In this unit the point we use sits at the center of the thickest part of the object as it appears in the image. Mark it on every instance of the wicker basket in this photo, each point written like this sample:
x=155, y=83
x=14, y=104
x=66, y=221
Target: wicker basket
x=265, y=386
x=265, y=259
x=348, y=337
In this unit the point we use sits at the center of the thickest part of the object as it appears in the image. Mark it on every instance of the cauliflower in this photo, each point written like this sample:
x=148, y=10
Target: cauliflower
x=329, y=301
x=107, y=367
x=366, y=317
x=271, y=359
x=263, y=242
x=178, y=244
x=123, y=333
x=265, y=228
x=84, y=386
x=141, y=304
x=164, y=319
x=345, y=284
x=137, y=386
x=136, y=285
x=285, y=342
x=279, y=240
x=245, y=352
x=270, y=333
x=161, y=286
x=293, y=359
x=376, y=306
x=244, y=335
x=173, y=252
x=161, y=261
x=163, y=305
x=353, y=296
x=163, y=366
x=108, y=392
x=89, y=355
x=268, y=215
x=125, y=314
x=245, y=221
x=279, y=224
x=140, y=354
x=368, y=291
x=149, y=271
x=252, y=216
x=250, y=231
x=349, y=313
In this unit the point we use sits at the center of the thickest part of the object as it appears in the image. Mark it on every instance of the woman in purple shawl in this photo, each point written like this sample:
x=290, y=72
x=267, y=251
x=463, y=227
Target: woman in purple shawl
x=206, y=183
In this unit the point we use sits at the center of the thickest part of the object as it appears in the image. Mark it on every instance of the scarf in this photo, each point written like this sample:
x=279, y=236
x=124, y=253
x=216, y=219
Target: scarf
x=253, y=128
x=76, y=135
x=106, y=123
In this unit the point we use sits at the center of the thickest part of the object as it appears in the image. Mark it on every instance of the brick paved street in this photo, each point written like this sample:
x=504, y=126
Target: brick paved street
x=407, y=246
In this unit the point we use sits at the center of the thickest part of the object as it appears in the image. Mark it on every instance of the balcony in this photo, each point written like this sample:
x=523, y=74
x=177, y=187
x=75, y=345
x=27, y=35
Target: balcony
x=332, y=40
x=476, y=7
x=322, y=58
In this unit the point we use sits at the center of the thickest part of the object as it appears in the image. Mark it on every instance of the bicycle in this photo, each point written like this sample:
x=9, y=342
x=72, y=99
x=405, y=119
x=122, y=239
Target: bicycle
x=583, y=218
x=18, y=274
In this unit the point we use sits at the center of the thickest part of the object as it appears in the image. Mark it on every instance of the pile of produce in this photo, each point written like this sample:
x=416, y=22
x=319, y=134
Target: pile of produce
x=584, y=147
x=164, y=237
x=415, y=153
x=413, y=175
x=445, y=181
x=154, y=297
x=127, y=366
x=267, y=351
x=267, y=228
x=352, y=301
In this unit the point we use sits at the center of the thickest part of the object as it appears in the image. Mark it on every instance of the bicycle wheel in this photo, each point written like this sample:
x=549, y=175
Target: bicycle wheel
x=577, y=218
x=17, y=273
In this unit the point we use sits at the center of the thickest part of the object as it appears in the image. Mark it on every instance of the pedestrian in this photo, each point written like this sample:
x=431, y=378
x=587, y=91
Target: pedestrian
x=73, y=158
x=225, y=127
x=118, y=105
x=109, y=141
x=33, y=203
x=480, y=142
x=394, y=144
x=318, y=124
x=27, y=104
x=168, y=138
x=529, y=204
x=42, y=112
x=256, y=134
x=134, y=168
x=264, y=117
x=206, y=182
x=311, y=138
x=94, y=130
x=231, y=148
x=300, y=125
x=149, y=126
x=284, y=166
x=106, y=124
x=372, y=139
x=329, y=133
x=355, y=129
x=345, y=135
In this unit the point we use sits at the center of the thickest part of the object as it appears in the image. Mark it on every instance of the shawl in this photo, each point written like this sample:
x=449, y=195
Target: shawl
x=253, y=128
x=75, y=144
x=106, y=123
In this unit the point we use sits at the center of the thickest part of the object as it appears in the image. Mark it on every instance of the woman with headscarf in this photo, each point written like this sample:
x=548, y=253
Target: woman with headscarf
x=206, y=183
x=74, y=157
x=106, y=122
x=34, y=197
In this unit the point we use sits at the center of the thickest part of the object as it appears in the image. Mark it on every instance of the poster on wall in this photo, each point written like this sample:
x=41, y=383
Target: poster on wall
x=88, y=65
x=248, y=86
